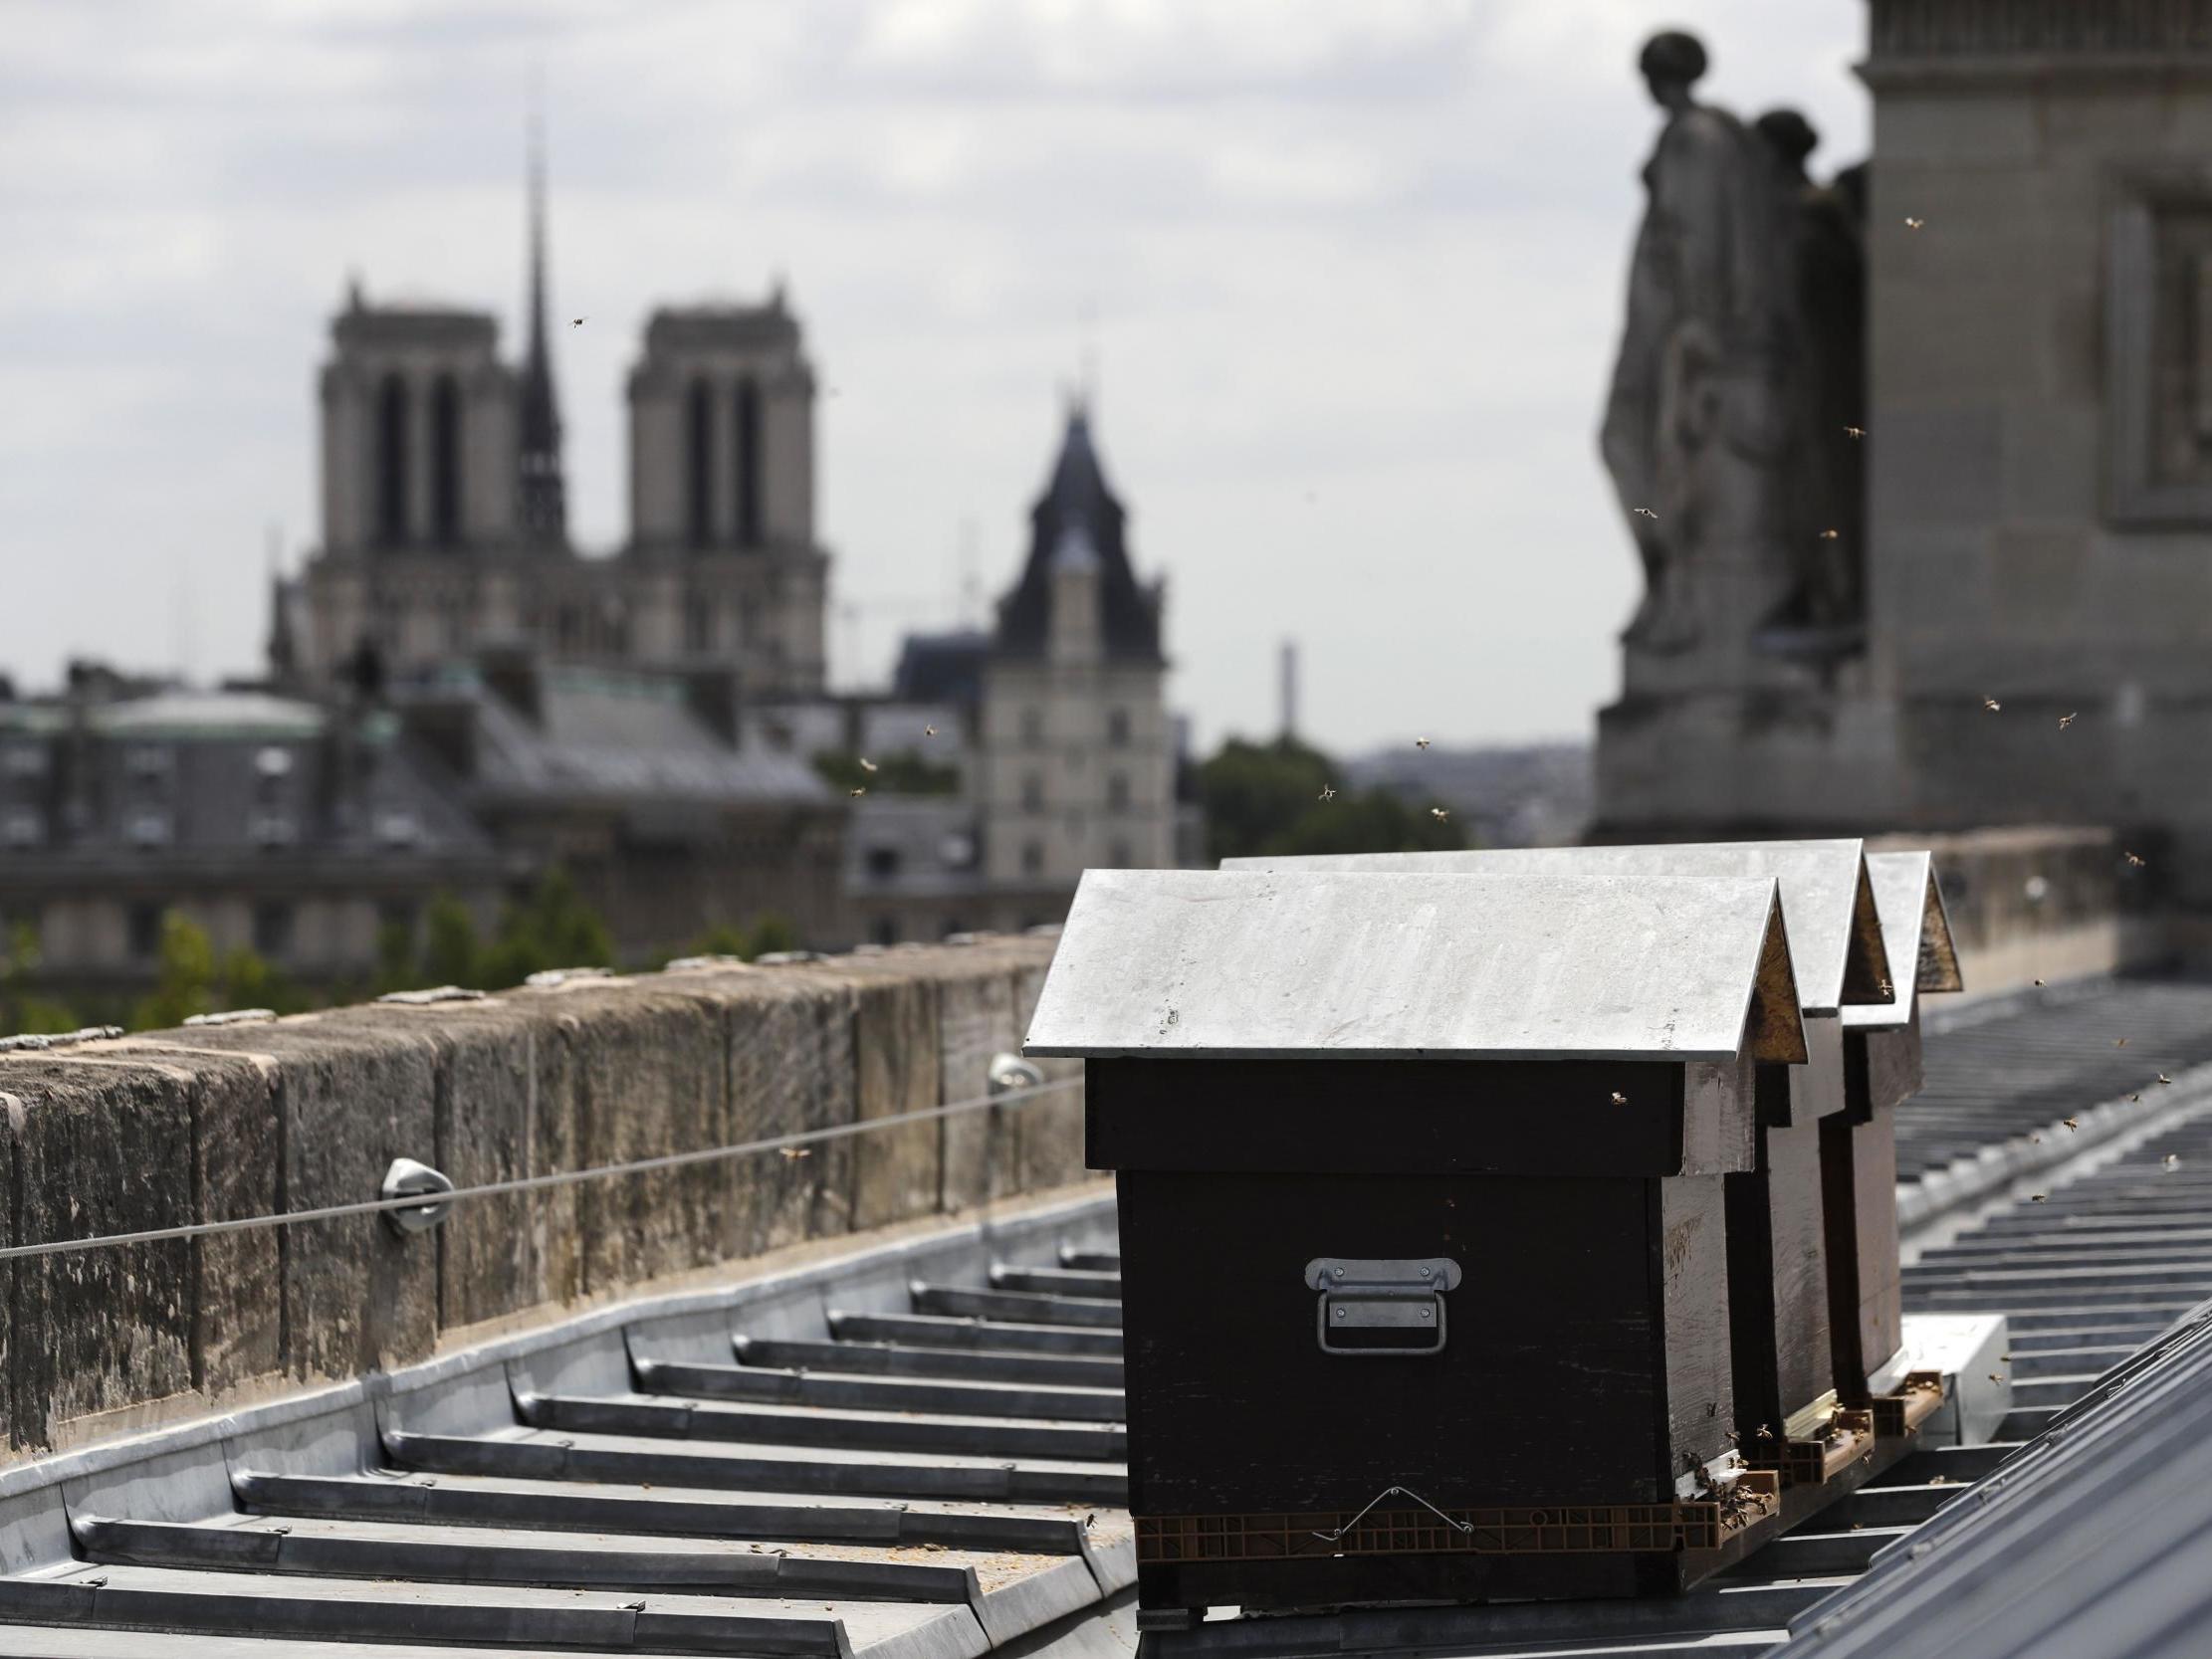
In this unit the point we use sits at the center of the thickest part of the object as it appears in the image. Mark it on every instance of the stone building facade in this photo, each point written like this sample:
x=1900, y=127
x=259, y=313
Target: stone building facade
x=1076, y=754
x=2039, y=461
x=444, y=513
x=302, y=831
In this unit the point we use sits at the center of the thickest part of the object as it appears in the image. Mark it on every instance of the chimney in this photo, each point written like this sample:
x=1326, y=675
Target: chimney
x=711, y=693
x=513, y=674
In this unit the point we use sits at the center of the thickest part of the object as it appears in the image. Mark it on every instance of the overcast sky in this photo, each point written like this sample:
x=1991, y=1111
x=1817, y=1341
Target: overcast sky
x=1355, y=267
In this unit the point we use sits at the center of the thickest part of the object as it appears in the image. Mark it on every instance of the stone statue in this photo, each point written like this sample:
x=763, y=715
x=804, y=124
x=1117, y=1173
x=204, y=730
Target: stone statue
x=1824, y=262
x=1695, y=429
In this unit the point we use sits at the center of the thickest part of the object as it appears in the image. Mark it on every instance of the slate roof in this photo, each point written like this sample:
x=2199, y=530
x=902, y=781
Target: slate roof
x=941, y=668
x=1835, y=931
x=626, y=739
x=1079, y=516
x=226, y=775
x=1318, y=963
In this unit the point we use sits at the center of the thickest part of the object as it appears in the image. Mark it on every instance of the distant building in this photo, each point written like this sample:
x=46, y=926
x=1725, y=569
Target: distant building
x=1077, y=756
x=638, y=787
x=1054, y=722
x=444, y=521
x=299, y=831
x=656, y=719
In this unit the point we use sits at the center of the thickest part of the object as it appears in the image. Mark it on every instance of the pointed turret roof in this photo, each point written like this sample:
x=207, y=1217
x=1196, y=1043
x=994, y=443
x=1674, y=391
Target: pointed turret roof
x=1078, y=517
x=542, y=490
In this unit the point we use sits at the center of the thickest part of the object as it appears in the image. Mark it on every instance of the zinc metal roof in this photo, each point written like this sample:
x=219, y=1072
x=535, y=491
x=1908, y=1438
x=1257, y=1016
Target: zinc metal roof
x=908, y=1453
x=1835, y=942
x=912, y=1452
x=1318, y=963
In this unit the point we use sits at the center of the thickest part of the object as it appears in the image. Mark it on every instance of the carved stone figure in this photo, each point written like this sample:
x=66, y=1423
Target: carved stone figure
x=1695, y=429
x=1824, y=262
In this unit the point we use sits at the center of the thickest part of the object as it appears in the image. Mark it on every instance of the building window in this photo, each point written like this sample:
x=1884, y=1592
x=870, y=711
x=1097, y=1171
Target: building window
x=1117, y=728
x=1033, y=793
x=391, y=460
x=953, y=925
x=699, y=626
x=883, y=861
x=1032, y=857
x=1117, y=793
x=143, y=926
x=272, y=929
x=886, y=929
x=1118, y=856
x=699, y=450
x=445, y=460
x=749, y=463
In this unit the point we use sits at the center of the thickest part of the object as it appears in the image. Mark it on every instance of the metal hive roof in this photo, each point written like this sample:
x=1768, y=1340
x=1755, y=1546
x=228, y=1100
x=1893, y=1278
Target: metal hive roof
x=1197, y=963
x=1915, y=935
x=1836, y=942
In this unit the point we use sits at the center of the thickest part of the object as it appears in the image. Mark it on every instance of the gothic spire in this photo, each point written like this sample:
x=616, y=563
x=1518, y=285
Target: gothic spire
x=544, y=497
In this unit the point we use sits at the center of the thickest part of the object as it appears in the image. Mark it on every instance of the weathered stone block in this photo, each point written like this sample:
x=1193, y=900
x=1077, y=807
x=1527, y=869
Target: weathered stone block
x=975, y=1021
x=1047, y=1141
x=900, y=1170
x=505, y=1108
x=352, y=1095
x=787, y=1038
x=236, y=1277
x=650, y=1079
x=98, y=1148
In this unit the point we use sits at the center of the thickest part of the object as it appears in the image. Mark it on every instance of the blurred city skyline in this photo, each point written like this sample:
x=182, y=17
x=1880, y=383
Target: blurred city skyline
x=1350, y=277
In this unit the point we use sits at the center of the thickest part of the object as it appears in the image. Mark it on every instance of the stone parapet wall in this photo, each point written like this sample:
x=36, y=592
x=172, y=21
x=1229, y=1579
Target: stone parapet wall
x=222, y=1121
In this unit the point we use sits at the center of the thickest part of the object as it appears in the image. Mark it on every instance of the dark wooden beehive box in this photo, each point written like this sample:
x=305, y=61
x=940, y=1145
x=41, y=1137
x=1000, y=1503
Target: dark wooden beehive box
x=1781, y=1282
x=1531, y=1088
x=1859, y=1147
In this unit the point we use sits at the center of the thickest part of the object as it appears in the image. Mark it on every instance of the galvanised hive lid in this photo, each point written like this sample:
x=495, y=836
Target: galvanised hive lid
x=1306, y=963
x=1916, y=932
x=1835, y=931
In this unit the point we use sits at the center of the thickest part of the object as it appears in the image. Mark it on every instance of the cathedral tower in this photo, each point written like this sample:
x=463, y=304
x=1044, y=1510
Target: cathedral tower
x=1079, y=762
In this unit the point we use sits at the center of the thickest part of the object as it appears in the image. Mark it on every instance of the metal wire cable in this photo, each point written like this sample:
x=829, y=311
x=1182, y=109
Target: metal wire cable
x=534, y=1183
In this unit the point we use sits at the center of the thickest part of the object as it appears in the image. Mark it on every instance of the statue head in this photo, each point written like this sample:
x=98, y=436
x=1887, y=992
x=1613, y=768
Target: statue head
x=1790, y=136
x=1672, y=61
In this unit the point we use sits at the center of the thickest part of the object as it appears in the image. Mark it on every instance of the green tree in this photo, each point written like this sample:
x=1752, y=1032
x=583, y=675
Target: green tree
x=770, y=931
x=449, y=949
x=1251, y=791
x=185, y=985
x=22, y=1009
x=1262, y=798
x=552, y=927
x=1364, y=821
x=245, y=981
x=395, y=956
